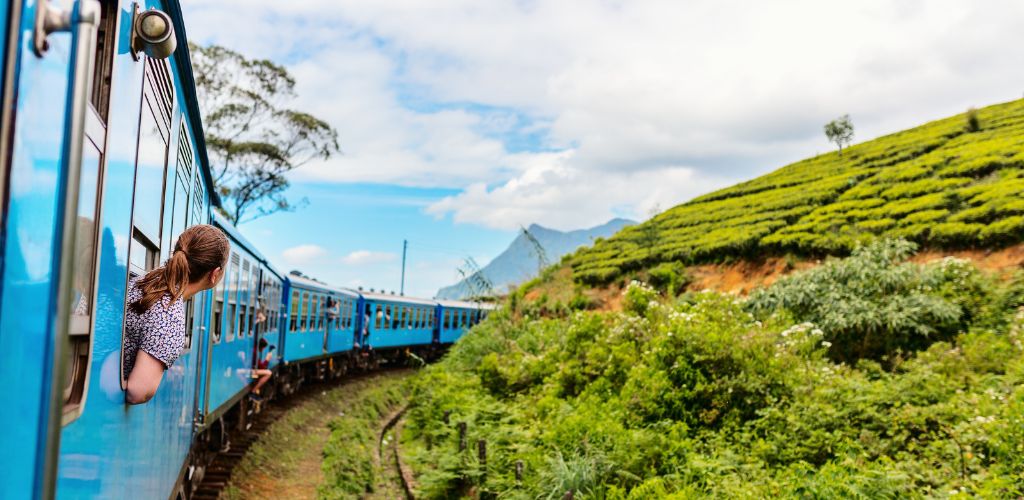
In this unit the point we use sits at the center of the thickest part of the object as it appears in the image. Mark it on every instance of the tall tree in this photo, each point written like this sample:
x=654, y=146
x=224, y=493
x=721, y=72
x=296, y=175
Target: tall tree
x=253, y=138
x=840, y=131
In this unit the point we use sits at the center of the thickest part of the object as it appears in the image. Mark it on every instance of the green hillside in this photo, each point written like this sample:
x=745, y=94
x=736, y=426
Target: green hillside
x=941, y=185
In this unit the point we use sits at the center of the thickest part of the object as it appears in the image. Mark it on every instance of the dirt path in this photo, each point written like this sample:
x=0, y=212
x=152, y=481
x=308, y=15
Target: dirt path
x=286, y=461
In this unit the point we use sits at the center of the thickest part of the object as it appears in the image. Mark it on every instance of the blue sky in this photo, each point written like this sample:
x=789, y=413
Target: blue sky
x=463, y=120
x=352, y=234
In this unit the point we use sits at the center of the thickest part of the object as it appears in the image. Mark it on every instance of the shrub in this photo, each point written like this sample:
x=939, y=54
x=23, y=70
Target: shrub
x=670, y=277
x=972, y=123
x=869, y=305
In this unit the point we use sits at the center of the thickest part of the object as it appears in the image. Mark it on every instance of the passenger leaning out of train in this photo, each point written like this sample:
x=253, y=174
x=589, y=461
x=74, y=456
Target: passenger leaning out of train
x=155, y=320
x=262, y=371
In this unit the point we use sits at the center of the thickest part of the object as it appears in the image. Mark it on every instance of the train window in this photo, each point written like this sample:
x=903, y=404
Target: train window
x=304, y=319
x=243, y=300
x=106, y=32
x=232, y=296
x=218, y=311
x=253, y=295
x=294, y=322
x=151, y=163
x=83, y=282
x=447, y=319
x=321, y=313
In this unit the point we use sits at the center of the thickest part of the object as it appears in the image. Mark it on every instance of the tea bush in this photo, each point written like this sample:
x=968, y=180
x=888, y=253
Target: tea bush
x=710, y=395
x=940, y=184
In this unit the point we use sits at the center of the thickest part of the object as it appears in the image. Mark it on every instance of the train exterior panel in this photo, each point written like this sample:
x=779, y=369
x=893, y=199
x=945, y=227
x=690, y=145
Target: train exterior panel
x=398, y=321
x=314, y=329
x=144, y=174
x=235, y=302
x=455, y=318
x=33, y=179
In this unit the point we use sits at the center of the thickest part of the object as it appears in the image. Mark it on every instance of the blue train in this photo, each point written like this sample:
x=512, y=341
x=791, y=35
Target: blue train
x=103, y=165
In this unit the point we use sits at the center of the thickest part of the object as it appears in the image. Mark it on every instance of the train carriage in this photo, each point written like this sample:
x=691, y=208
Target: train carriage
x=247, y=293
x=320, y=320
x=397, y=321
x=456, y=317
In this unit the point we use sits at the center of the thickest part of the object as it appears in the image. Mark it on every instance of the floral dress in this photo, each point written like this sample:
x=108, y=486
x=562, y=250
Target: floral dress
x=160, y=331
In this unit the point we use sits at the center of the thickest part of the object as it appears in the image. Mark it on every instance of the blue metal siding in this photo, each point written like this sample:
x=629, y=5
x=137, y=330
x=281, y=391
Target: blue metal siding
x=27, y=307
x=114, y=450
x=230, y=360
x=396, y=332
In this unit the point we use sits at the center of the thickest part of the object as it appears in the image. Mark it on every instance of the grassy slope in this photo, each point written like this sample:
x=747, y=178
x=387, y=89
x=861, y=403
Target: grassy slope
x=323, y=447
x=936, y=184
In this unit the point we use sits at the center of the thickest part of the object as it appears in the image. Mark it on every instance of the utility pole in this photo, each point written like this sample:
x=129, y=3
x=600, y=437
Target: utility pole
x=405, y=246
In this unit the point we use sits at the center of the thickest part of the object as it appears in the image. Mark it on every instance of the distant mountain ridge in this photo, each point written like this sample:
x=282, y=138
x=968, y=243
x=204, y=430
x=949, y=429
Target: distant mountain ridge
x=518, y=263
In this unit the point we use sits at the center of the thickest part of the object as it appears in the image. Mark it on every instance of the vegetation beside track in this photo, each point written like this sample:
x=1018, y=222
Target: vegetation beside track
x=866, y=377
x=325, y=446
x=951, y=183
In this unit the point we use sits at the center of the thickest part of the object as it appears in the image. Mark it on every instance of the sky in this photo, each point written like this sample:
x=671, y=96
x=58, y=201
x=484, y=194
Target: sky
x=462, y=120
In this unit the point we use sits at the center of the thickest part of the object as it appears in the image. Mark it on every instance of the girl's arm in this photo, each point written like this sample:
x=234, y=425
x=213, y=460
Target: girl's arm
x=144, y=379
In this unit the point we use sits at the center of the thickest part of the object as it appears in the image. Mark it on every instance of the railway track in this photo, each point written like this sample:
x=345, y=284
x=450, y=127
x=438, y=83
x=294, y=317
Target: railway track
x=218, y=473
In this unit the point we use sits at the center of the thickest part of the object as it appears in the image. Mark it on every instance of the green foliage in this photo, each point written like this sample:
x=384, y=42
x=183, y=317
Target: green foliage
x=348, y=464
x=936, y=185
x=252, y=139
x=972, y=123
x=699, y=398
x=873, y=305
x=839, y=131
x=669, y=277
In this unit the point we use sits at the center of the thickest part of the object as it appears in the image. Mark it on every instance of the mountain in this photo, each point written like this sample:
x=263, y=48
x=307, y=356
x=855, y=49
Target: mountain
x=518, y=262
x=952, y=183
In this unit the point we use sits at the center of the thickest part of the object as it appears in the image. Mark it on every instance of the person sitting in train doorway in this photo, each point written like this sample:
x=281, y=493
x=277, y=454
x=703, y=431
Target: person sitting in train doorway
x=262, y=369
x=154, y=333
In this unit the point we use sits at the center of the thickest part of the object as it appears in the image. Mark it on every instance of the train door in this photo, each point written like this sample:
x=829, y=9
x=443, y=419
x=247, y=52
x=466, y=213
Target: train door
x=50, y=168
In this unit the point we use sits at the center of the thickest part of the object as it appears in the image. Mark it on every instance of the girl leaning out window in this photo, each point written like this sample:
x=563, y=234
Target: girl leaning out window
x=155, y=319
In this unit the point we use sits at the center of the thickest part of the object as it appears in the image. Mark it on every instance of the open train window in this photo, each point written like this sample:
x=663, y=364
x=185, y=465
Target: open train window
x=320, y=312
x=106, y=33
x=232, y=312
x=218, y=311
x=244, y=300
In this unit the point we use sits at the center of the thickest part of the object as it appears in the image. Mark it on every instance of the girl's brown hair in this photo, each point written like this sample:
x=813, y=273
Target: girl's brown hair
x=199, y=250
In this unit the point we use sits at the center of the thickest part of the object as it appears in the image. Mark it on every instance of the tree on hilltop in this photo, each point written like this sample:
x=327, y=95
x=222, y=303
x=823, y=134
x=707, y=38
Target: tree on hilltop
x=840, y=131
x=252, y=137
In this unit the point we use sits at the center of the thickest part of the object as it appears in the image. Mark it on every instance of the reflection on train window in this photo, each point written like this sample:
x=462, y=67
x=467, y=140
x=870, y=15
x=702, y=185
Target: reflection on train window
x=151, y=163
x=293, y=324
x=304, y=314
x=232, y=314
x=83, y=281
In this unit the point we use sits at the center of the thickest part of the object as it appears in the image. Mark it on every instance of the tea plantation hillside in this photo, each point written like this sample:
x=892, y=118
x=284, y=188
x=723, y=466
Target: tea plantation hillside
x=951, y=183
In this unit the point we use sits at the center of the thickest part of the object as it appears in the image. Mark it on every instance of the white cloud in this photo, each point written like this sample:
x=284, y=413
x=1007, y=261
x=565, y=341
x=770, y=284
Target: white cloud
x=552, y=190
x=303, y=254
x=364, y=257
x=633, y=100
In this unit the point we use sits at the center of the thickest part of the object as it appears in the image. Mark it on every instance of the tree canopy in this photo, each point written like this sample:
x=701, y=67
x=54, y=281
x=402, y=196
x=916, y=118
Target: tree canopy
x=252, y=135
x=840, y=131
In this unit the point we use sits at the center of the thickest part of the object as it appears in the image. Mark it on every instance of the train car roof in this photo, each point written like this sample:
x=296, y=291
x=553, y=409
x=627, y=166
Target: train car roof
x=232, y=231
x=184, y=66
x=319, y=286
x=386, y=297
x=459, y=303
